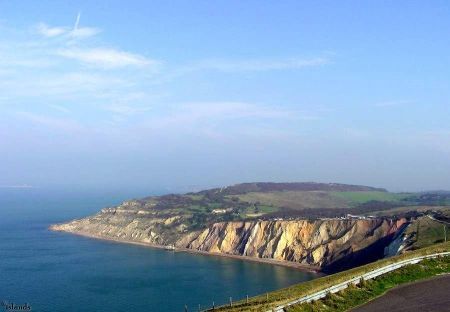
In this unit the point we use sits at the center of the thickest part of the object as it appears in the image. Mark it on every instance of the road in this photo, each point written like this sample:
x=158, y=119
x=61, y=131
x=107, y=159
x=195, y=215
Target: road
x=429, y=295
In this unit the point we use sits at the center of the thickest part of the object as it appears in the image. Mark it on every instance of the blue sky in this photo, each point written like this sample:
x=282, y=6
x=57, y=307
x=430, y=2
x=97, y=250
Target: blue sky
x=183, y=94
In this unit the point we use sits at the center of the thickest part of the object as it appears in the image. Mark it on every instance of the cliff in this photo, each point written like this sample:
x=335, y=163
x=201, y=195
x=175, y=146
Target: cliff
x=319, y=243
x=247, y=220
x=330, y=244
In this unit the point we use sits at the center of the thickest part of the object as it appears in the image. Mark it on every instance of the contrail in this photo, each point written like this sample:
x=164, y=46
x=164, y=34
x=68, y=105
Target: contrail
x=77, y=22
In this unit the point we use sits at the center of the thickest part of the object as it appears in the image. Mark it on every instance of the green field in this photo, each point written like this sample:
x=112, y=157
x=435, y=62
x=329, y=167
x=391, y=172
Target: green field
x=356, y=198
x=403, y=209
x=257, y=210
x=310, y=201
x=296, y=199
x=320, y=199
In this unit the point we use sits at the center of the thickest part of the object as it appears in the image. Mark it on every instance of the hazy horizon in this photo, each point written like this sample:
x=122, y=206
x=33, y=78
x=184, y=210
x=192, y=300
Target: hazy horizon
x=191, y=95
x=141, y=191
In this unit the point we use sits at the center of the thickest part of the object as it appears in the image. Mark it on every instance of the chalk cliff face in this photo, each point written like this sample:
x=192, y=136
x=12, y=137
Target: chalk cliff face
x=321, y=243
x=317, y=243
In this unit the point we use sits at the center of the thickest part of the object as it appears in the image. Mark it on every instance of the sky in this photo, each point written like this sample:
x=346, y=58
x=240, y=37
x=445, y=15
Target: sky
x=182, y=95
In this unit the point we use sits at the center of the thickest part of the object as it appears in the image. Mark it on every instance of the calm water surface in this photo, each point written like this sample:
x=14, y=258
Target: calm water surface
x=62, y=272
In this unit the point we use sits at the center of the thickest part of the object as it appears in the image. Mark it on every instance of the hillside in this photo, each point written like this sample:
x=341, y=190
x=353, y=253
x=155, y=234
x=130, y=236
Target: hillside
x=263, y=187
x=302, y=223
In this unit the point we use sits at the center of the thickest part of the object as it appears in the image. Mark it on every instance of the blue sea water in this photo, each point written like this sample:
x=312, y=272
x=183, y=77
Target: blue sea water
x=61, y=272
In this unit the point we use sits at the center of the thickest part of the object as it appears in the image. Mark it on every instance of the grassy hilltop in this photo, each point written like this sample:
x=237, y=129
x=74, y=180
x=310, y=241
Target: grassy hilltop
x=289, y=200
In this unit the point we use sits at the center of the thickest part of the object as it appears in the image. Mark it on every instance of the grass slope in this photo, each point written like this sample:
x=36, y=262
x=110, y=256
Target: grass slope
x=320, y=199
x=355, y=296
x=266, y=301
x=356, y=198
x=426, y=232
x=296, y=199
x=284, y=200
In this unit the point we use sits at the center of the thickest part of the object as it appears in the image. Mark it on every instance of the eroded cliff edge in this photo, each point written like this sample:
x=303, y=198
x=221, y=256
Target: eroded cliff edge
x=332, y=244
x=304, y=223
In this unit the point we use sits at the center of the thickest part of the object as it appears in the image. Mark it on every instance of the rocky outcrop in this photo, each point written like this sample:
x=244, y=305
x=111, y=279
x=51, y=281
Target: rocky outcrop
x=318, y=243
x=323, y=243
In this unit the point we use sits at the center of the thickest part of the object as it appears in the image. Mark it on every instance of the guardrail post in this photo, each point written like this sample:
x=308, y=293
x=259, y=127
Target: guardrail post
x=417, y=231
x=445, y=233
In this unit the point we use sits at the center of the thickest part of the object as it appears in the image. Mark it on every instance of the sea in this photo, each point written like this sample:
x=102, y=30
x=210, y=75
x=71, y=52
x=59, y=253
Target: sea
x=41, y=270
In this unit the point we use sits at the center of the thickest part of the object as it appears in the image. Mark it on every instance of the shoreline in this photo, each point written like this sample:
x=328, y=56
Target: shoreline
x=292, y=265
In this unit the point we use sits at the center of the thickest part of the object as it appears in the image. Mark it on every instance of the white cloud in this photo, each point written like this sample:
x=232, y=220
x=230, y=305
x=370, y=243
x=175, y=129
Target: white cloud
x=66, y=86
x=128, y=93
x=77, y=21
x=393, y=103
x=76, y=32
x=223, y=112
x=107, y=58
x=17, y=186
x=84, y=32
x=60, y=108
x=233, y=110
x=256, y=65
x=51, y=122
x=30, y=63
x=224, y=121
x=47, y=31
x=126, y=109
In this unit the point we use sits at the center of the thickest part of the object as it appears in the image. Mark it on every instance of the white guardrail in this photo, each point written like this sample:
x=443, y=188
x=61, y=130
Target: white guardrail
x=356, y=280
